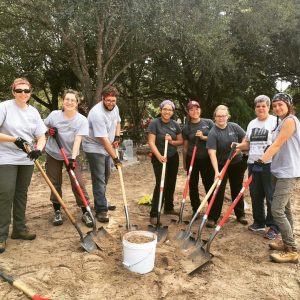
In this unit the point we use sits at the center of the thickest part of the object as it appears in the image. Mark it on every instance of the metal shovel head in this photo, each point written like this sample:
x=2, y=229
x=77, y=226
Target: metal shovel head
x=88, y=244
x=161, y=231
x=197, y=260
x=102, y=238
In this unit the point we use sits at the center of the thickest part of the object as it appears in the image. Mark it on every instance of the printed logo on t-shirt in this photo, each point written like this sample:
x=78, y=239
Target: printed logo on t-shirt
x=259, y=134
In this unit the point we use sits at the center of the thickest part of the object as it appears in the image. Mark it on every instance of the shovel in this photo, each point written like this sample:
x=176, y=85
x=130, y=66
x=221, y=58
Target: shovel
x=97, y=235
x=21, y=286
x=187, y=182
x=162, y=231
x=86, y=242
x=202, y=256
x=128, y=226
x=198, y=242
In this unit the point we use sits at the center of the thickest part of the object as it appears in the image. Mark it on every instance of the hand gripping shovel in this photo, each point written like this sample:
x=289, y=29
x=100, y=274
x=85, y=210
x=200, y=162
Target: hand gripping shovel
x=187, y=182
x=162, y=231
x=86, y=242
x=128, y=226
x=201, y=256
x=96, y=235
x=198, y=242
x=21, y=286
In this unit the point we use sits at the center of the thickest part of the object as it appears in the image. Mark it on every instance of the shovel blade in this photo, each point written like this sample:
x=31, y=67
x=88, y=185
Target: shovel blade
x=161, y=232
x=88, y=244
x=197, y=260
x=102, y=238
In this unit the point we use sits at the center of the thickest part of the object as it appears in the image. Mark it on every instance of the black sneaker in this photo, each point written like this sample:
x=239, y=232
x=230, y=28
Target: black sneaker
x=23, y=235
x=210, y=223
x=87, y=220
x=242, y=220
x=256, y=227
x=57, y=220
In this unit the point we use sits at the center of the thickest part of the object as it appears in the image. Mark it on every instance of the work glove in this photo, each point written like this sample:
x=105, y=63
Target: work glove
x=117, y=163
x=116, y=141
x=34, y=154
x=72, y=164
x=52, y=131
x=20, y=143
x=258, y=166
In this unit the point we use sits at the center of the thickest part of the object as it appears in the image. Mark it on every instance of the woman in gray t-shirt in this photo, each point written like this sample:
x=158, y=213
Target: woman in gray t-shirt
x=19, y=123
x=70, y=127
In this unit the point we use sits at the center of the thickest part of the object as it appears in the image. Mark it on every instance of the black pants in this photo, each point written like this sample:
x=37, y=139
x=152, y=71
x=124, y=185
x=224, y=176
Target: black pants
x=204, y=167
x=170, y=182
x=235, y=174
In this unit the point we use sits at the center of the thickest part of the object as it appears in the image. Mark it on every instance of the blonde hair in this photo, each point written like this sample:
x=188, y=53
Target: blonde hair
x=221, y=107
x=21, y=80
x=70, y=91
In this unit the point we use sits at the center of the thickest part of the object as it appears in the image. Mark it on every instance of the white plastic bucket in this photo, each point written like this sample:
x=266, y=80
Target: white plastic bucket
x=139, y=258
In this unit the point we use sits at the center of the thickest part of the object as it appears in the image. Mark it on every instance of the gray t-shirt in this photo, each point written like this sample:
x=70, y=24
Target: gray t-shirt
x=160, y=129
x=102, y=123
x=68, y=129
x=19, y=122
x=189, y=131
x=286, y=162
x=221, y=140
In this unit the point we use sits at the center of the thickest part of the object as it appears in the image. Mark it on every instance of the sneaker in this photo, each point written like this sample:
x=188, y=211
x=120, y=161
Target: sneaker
x=153, y=221
x=287, y=256
x=23, y=235
x=2, y=246
x=87, y=220
x=271, y=234
x=210, y=223
x=255, y=227
x=242, y=220
x=57, y=218
x=102, y=217
x=277, y=245
x=171, y=212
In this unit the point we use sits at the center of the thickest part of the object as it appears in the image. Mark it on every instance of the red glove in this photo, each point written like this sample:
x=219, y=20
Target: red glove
x=52, y=131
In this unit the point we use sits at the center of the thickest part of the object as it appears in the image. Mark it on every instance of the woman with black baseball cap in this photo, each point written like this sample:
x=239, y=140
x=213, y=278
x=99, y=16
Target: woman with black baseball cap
x=285, y=168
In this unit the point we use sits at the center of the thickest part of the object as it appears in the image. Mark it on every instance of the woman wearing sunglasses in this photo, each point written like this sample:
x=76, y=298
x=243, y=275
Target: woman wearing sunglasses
x=70, y=127
x=220, y=139
x=20, y=124
x=161, y=129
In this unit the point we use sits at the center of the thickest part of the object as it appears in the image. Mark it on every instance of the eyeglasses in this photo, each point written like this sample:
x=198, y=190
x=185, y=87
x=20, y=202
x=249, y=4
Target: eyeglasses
x=70, y=100
x=109, y=101
x=19, y=91
x=167, y=109
x=222, y=116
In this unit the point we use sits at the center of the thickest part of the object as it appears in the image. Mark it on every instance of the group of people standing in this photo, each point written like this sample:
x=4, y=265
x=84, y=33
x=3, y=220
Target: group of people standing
x=21, y=127
x=273, y=144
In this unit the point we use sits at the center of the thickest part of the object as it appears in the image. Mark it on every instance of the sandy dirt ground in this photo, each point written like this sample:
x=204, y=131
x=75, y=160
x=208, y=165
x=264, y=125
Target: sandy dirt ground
x=55, y=265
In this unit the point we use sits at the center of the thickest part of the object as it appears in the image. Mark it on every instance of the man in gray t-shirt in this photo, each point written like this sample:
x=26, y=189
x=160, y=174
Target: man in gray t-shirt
x=104, y=131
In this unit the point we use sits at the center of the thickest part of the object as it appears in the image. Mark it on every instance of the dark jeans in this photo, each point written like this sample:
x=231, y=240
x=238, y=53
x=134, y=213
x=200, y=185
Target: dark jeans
x=204, y=167
x=235, y=174
x=170, y=182
x=14, y=183
x=54, y=172
x=261, y=188
x=100, y=172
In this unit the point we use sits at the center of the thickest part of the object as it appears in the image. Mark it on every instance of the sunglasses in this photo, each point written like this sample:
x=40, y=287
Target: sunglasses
x=19, y=91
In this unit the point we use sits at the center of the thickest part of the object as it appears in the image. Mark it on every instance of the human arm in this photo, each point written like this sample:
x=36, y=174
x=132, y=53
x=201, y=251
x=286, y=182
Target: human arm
x=184, y=153
x=177, y=142
x=154, y=150
x=214, y=161
x=244, y=145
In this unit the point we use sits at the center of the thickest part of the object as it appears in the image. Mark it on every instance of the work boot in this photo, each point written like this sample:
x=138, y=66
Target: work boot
x=102, y=217
x=57, y=218
x=277, y=245
x=210, y=223
x=171, y=212
x=2, y=246
x=287, y=256
x=111, y=206
x=153, y=221
x=23, y=235
x=87, y=220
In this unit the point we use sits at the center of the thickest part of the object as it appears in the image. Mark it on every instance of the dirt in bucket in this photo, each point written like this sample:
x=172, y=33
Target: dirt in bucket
x=139, y=239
